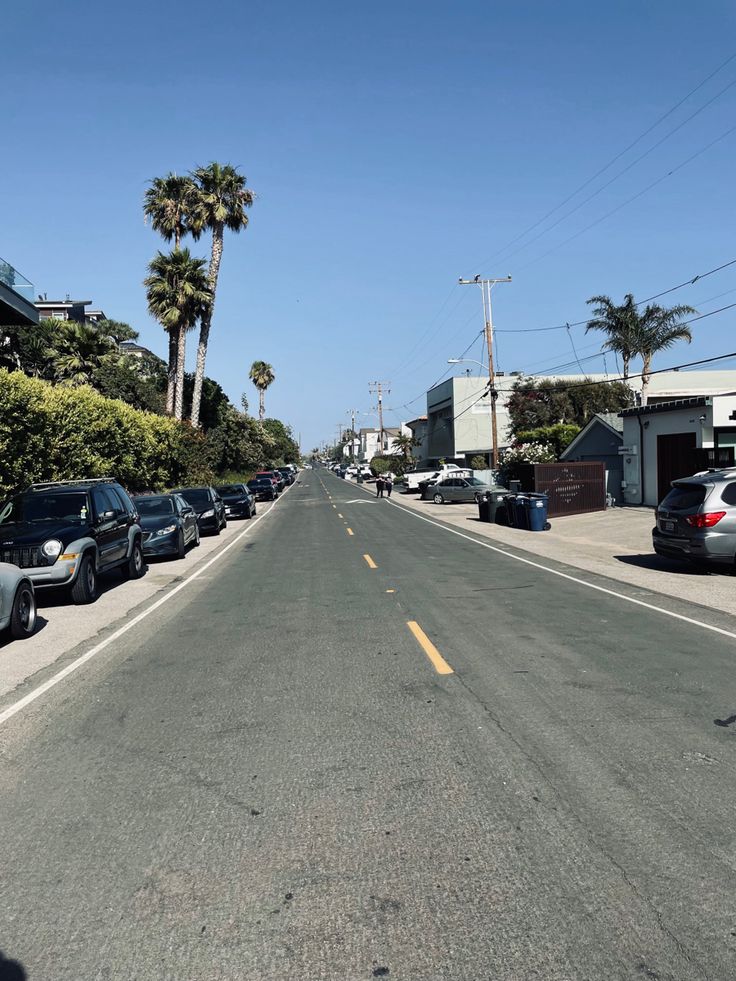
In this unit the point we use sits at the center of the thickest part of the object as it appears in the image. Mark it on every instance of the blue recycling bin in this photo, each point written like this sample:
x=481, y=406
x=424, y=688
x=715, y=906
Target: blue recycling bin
x=521, y=518
x=535, y=508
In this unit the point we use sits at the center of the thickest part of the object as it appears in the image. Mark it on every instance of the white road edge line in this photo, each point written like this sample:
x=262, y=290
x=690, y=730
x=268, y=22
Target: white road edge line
x=22, y=703
x=565, y=575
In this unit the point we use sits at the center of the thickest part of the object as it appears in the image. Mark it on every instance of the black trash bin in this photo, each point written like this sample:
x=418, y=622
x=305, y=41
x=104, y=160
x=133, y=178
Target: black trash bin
x=492, y=506
x=485, y=507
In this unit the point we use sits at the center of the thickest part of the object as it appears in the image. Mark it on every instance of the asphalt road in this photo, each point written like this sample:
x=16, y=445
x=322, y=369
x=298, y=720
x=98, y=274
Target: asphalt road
x=269, y=778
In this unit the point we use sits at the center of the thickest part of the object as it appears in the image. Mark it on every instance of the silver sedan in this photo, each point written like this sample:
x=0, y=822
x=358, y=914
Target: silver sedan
x=17, y=602
x=458, y=489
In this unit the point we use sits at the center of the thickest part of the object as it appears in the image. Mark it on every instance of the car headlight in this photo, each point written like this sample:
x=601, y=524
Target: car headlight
x=167, y=530
x=52, y=548
x=208, y=514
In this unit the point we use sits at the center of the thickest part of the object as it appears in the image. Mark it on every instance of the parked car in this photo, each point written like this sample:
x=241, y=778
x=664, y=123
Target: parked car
x=208, y=507
x=288, y=474
x=17, y=602
x=169, y=524
x=426, y=486
x=263, y=489
x=66, y=533
x=696, y=521
x=275, y=477
x=413, y=477
x=238, y=500
x=452, y=490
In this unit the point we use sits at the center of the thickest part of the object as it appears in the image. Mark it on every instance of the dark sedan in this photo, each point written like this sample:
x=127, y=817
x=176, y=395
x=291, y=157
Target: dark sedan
x=208, y=507
x=287, y=474
x=263, y=489
x=169, y=524
x=238, y=500
x=275, y=476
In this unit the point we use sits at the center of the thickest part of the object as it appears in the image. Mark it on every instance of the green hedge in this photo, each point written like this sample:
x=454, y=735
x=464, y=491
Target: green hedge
x=55, y=432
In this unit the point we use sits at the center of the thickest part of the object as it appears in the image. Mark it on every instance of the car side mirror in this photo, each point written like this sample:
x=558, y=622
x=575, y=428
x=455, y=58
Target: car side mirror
x=107, y=516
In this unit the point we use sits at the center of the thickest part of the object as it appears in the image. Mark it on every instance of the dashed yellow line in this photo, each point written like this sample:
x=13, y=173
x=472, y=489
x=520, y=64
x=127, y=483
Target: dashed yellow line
x=438, y=662
x=390, y=590
x=349, y=531
x=338, y=514
x=370, y=562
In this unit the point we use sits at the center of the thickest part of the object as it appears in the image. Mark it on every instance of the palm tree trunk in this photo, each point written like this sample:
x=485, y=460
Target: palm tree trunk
x=204, y=328
x=626, y=362
x=180, y=365
x=261, y=404
x=171, y=376
x=645, y=376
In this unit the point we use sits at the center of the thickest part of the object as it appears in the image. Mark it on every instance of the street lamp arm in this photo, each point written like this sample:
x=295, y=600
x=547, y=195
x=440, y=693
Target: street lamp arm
x=464, y=360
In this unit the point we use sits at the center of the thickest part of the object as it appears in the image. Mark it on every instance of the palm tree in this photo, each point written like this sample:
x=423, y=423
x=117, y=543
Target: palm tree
x=168, y=203
x=221, y=198
x=405, y=444
x=178, y=295
x=79, y=350
x=620, y=323
x=661, y=328
x=262, y=375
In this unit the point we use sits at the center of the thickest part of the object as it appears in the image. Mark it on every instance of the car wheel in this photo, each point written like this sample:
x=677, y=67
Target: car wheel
x=23, y=614
x=476, y=497
x=136, y=563
x=438, y=499
x=84, y=589
x=217, y=531
x=253, y=512
x=181, y=550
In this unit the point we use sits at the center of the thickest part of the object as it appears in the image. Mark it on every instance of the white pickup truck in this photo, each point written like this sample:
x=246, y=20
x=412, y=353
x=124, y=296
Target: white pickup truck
x=413, y=477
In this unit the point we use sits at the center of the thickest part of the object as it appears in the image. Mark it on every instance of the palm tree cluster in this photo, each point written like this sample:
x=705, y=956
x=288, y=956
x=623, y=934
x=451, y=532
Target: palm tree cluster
x=180, y=291
x=635, y=333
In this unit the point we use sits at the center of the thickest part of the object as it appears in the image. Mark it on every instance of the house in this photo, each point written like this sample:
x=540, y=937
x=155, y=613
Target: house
x=370, y=442
x=666, y=440
x=418, y=430
x=601, y=440
x=16, y=297
x=68, y=310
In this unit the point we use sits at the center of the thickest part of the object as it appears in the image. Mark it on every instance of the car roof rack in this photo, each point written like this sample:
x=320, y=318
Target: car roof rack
x=45, y=485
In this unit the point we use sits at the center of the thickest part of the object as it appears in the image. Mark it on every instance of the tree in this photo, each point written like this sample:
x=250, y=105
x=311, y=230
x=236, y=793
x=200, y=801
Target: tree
x=177, y=293
x=117, y=331
x=220, y=200
x=262, y=375
x=168, y=202
x=78, y=352
x=533, y=404
x=29, y=348
x=661, y=329
x=285, y=448
x=620, y=324
x=405, y=444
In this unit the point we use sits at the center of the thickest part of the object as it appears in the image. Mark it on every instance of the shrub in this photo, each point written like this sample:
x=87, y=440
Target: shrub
x=558, y=437
x=479, y=463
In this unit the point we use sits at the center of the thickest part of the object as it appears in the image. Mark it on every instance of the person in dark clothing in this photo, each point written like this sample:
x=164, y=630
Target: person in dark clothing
x=379, y=486
x=389, y=484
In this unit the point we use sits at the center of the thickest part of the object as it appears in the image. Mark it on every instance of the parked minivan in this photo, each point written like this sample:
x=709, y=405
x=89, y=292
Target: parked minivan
x=696, y=521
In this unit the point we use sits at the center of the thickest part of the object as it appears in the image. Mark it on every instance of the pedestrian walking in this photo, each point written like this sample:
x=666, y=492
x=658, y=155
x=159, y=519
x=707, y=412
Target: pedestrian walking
x=379, y=486
x=389, y=484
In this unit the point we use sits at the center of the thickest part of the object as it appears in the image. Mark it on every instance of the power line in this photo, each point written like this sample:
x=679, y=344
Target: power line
x=613, y=160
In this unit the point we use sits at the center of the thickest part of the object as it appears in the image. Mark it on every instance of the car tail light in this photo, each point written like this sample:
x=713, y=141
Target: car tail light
x=706, y=520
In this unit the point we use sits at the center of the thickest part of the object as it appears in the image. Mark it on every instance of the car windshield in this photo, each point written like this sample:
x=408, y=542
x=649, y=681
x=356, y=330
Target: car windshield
x=475, y=481
x=683, y=497
x=260, y=482
x=230, y=489
x=50, y=506
x=196, y=496
x=148, y=506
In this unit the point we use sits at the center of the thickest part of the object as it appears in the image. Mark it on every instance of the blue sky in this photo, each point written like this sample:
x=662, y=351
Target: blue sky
x=393, y=147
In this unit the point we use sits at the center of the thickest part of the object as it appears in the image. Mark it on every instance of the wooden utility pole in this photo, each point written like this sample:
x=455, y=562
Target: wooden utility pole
x=380, y=389
x=486, y=286
x=352, y=414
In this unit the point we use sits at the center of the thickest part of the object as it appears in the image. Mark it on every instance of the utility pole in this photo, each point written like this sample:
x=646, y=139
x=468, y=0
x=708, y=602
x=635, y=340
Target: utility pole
x=352, y=413
x=486, y=285
x=380, y=389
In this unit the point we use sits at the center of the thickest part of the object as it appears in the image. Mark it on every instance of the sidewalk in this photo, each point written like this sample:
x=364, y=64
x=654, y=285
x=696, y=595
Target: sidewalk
x=615, y=543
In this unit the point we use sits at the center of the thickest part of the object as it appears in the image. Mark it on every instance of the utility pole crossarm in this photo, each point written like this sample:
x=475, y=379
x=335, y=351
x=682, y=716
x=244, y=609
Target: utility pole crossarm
x=486, y=286
x=380, y=389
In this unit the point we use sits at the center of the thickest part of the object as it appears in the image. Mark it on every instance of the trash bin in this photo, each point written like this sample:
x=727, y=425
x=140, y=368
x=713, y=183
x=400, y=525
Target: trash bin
x=485, y=504
x=535, y=507
x=359, y=478
x=520, y=511
x=510, y=501
x=492, y=506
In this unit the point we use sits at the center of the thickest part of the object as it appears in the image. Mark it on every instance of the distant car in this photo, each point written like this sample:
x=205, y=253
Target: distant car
x=169, y=524
x=696, y=521
x=208, y=507
x=276, y=477
x=287, y=474
x=263, y=489
x=426, y=486
x=17, y=602
x=66, y=533
x=454, y=490
x=238, y=500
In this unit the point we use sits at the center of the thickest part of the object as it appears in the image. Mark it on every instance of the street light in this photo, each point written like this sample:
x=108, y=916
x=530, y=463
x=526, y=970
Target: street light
x=464, y=360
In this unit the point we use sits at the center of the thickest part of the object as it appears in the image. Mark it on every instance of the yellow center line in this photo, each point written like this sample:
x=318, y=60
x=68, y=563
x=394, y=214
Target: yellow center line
x=349, y=531
x=371, y=563
x=339, y=515
x=335, y=506
x=390, y=590
x=439, y=663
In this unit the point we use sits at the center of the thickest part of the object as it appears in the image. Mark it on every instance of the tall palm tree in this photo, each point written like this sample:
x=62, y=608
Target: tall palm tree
x=220, y=202
x=661, y=328
x=262, y=375
x=178, y=294
x=168, y=202
x=621, y=324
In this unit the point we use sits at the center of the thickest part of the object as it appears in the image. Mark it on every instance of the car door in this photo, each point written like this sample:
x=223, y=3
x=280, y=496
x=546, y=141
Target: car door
x=187, y=517
x=107, y=526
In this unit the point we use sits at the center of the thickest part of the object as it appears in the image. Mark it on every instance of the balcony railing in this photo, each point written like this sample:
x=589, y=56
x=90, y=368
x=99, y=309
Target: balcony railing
x=12, y=278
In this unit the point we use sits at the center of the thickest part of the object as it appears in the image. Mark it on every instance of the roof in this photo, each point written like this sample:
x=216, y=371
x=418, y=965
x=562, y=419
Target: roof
x=610, y=420
x=413, y=422
x=646, y=410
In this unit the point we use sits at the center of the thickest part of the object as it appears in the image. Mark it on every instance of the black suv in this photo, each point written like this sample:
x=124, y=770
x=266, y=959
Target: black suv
x=66, y=533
